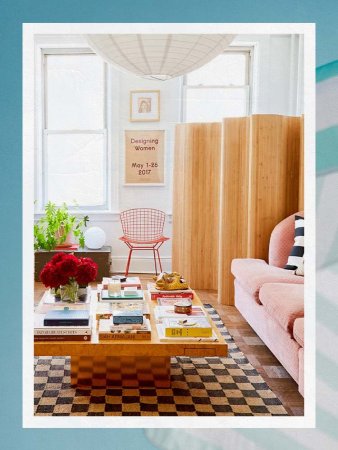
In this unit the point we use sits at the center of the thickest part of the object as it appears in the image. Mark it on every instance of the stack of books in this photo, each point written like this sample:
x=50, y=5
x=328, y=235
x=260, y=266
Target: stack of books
x=104, y=310
x=173, y=326
x=123, y=295
x=134, y=282
x=165, y=311
x=63, y=325
x=125, y=324
x=168, y=297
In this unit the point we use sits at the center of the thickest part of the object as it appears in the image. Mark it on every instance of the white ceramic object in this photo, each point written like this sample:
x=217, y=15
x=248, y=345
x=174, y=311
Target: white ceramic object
x=95, y=238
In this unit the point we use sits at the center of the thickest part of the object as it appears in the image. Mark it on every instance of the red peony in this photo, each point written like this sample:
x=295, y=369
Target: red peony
x=87, y=271
x=51, y=277
x=58, y=257
x=68, y=266
x=64, y=268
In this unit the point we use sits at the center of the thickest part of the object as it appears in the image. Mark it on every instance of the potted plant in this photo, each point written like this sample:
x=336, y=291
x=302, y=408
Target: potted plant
x=55, y=227
x=65, y=273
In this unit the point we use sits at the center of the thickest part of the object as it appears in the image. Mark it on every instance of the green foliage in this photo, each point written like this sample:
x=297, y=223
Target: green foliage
x=52, y=229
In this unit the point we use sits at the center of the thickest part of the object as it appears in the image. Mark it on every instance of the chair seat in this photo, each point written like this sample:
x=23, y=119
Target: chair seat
x=141, y=242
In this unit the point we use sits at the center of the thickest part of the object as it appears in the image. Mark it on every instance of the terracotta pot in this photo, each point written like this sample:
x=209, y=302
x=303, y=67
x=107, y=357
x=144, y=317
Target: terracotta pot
x=59, y=234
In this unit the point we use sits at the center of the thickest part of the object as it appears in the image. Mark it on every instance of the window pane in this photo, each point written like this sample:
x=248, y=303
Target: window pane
x=74, y=92
x=224, y=70
x=75, y=167
x=211, y=105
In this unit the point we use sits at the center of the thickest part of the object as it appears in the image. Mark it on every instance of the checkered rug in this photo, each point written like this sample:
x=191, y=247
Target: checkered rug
x=200, y=387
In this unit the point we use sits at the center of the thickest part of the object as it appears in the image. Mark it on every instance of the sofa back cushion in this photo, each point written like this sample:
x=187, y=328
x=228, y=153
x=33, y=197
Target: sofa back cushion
x=282, y=240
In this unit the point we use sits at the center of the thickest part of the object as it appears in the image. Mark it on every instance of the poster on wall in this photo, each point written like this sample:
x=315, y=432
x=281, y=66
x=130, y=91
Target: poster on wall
x=144, y=157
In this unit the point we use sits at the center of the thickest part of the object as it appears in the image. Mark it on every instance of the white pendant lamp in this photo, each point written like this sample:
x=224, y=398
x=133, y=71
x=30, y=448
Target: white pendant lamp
x=159, y=56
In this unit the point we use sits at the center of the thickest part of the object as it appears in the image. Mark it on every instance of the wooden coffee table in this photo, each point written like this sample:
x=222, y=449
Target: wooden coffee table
x=128, y=363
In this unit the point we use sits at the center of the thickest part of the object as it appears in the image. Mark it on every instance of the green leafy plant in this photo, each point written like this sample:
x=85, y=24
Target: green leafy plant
x=53, y=228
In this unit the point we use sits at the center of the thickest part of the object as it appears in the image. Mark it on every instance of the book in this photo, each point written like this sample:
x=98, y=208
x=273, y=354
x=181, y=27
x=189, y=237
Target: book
x=130, y=282
x=130, y=291
x=161, y=312
x=163, y=301
x=104, y=310
x=187, y=327
x=106, y=297
x=109, y=332
x=62, y=337
x=50, y=299
x=130, y=327
x=163, y=338
x=176, y=294
x=66, y=317
x=122, y=316
x=41, y=329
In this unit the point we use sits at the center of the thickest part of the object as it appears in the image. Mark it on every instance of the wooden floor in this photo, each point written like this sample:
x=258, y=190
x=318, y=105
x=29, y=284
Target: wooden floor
x=249, y=343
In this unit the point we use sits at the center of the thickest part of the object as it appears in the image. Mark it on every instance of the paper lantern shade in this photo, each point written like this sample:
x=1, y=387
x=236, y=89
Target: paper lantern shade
x=159, y=56
x=95, y=238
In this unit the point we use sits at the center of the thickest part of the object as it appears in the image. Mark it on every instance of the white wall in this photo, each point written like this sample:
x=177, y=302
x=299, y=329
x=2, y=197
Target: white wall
x=277, y=73
x=142, y=196
x=277, y=89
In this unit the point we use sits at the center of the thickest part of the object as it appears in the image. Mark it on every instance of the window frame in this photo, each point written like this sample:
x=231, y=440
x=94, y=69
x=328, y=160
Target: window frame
x=248, y=51
x=42, y=131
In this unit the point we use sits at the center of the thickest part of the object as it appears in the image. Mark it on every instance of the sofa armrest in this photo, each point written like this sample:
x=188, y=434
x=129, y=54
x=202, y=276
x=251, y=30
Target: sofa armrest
x=253, y=273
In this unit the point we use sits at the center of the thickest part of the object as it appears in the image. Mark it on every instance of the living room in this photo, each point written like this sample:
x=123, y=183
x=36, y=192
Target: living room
x=225, y=131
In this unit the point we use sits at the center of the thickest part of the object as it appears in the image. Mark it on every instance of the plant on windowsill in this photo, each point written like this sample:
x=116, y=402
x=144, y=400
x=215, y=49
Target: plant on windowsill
x=54, y=228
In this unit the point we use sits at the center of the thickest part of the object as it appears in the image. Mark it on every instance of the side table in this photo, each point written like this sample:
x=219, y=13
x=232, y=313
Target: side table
x=101, y=256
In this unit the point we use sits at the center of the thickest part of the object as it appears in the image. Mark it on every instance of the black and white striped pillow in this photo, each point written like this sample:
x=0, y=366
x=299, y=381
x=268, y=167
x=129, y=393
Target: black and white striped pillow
x=295, y=259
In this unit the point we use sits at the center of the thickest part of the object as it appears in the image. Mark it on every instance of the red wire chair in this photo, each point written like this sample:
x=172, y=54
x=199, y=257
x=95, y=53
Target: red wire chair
x=143, y=230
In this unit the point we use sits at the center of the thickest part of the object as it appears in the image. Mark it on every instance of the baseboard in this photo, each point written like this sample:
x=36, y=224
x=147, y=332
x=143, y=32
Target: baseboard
x=139, y=264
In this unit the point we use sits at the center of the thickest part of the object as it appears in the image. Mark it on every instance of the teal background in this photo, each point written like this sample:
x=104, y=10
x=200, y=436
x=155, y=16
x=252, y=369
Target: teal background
x=12, y=15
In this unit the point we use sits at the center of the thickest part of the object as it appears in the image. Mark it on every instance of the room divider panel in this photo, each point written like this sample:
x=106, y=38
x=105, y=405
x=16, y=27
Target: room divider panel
x=259, y=188
x=233, y=182
x=196, y=181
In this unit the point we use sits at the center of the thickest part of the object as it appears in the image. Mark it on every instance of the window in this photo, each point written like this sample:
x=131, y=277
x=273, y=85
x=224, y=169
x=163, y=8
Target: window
x=219, y=89
x=74, y=156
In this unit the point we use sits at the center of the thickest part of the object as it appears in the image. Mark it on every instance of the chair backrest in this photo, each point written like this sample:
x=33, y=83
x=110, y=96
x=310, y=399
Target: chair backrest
x=142, y=224
x=282, y=240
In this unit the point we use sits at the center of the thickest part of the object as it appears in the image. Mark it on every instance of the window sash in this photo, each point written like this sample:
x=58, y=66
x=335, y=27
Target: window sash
x=104, y=205
x=43, y=197
x=248, y=86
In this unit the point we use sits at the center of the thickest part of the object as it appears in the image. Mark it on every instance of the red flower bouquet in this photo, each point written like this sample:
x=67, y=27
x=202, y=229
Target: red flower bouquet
x=65, y=272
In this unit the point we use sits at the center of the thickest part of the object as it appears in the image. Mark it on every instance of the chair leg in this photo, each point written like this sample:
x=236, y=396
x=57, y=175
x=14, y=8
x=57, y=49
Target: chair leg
x=128, y=262
x=154, y=253
x=159, y=259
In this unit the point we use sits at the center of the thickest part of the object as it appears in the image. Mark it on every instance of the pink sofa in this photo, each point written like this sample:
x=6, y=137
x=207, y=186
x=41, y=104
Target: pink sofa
x=271, y=299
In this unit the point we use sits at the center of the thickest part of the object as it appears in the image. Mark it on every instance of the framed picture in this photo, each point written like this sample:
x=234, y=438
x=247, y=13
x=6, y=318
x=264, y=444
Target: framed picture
x=144, y=106
x=144, y=157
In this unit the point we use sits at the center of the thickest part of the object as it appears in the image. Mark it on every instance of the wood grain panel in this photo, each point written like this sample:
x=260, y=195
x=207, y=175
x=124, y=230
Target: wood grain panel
x=274, y=177
x=301, y=167
x=259, y=187
x=234, y=202
x=196, y=203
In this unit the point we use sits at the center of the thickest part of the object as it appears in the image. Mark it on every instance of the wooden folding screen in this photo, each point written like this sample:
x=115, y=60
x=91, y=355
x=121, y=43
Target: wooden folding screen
x=233, y=182
x=259, y=189
x=196, y=184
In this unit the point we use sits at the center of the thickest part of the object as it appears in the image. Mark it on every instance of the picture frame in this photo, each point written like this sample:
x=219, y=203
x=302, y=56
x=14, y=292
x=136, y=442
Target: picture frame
x=144, y=106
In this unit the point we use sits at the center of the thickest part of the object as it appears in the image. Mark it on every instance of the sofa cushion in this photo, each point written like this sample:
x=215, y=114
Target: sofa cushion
x=297, y=252
x=298, y=331
x=253, y=273
x=284, y=302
